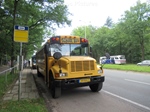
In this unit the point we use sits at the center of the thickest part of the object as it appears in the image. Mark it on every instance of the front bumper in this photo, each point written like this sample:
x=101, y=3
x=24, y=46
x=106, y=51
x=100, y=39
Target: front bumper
x=75, y=82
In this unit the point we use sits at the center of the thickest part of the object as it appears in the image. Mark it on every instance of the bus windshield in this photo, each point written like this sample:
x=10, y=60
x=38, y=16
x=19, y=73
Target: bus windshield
x=69, y=49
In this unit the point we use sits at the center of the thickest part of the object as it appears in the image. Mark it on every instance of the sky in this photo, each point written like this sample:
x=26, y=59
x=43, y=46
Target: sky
x=94, y=12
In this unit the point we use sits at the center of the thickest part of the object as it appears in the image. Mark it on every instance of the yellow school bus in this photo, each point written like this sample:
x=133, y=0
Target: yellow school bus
x=66, y=62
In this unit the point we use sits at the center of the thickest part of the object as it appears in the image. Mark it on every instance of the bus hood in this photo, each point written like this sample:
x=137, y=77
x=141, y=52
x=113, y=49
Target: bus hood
x=78, y=63
x=78, y=58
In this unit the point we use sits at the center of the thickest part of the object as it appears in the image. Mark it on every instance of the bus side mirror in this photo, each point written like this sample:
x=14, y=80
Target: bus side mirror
x=90, y=49
x=57, y=55
x=46, y=49
x=90, y=52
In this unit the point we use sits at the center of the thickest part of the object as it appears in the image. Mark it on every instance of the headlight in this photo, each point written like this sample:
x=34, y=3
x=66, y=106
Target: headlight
x=62, y=74
x=100, y=71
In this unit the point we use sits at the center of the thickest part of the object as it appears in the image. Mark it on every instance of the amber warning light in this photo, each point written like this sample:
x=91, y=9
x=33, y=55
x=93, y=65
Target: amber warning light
x=55, y=38
x=84, y=40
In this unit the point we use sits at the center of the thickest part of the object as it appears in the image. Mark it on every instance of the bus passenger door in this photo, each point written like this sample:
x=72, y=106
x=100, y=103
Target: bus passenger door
x=46, y=63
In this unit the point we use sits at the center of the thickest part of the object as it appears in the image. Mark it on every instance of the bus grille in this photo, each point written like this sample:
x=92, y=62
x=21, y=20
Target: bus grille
x=77, y=66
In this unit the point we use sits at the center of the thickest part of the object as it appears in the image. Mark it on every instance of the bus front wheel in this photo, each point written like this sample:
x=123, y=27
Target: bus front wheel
x=96, y=87
x=55, y=91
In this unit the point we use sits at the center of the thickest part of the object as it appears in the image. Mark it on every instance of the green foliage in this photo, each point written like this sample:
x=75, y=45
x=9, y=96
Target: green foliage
x=40, y=16
x=136, y=25
x=129, y=37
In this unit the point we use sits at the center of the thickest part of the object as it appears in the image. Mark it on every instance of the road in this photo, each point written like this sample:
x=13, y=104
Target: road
x=133, y=86
x=122, y=92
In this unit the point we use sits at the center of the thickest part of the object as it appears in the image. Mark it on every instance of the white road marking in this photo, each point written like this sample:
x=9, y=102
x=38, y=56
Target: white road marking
x=137, y=82
x=130, y=101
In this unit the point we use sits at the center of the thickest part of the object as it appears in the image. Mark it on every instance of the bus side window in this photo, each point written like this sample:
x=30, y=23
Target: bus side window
x=46, y=49
x=90, y=52
x=90, y=49
x=49, y=52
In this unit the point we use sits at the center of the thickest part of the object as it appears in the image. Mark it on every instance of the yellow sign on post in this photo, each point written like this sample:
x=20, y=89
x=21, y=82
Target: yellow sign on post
x=21, y=34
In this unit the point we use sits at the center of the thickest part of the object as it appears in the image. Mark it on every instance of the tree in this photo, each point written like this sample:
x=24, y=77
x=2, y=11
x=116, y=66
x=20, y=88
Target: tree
x=129, y=37
x=136, y=24
x=109, y=22
x=38, y=15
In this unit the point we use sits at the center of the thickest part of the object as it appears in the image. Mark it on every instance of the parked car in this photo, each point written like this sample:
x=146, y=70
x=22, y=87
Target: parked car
x=144, y=63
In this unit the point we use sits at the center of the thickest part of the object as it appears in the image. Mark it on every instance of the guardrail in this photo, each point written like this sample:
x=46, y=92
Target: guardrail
x=7, y=71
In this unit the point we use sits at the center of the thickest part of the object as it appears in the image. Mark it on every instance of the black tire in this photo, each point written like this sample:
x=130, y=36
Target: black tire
x=96, y=87
x=56, y=92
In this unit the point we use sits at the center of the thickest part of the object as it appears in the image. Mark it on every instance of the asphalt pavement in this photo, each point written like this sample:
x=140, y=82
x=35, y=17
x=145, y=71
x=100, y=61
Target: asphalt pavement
x=28, y=87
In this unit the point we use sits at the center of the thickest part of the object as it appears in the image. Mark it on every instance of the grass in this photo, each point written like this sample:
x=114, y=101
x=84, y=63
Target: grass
x=31, y=105
x=5, y=81
x=128, y=67
x=34, y=105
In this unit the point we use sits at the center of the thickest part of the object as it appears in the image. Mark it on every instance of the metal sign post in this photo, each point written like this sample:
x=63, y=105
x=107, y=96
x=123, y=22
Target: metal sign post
x=20, y=69
x=20, y=35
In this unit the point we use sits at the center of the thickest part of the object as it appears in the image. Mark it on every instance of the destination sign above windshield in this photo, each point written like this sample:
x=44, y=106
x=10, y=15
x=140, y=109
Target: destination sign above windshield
x=69, y=39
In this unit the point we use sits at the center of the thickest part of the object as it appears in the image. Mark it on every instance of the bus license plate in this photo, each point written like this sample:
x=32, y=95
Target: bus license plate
x=84, y=80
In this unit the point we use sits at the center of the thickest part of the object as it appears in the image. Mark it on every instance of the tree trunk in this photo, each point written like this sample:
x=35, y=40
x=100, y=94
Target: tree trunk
x=12, y=47
x=120, y=47
x=143, y=51
x=142, y=48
